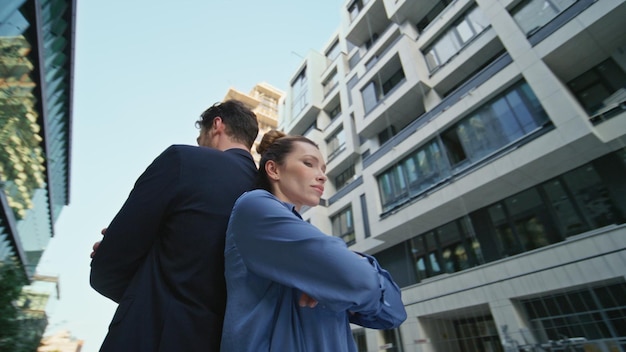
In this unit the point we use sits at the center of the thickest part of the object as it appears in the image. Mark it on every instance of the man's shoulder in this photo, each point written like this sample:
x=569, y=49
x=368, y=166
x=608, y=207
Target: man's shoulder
x=192, y=152
x=185, y=148
x=198, y=150
x=180, y=149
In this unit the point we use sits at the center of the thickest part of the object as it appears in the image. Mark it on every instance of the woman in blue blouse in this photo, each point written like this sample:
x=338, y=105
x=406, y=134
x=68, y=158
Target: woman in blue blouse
x=290, y=286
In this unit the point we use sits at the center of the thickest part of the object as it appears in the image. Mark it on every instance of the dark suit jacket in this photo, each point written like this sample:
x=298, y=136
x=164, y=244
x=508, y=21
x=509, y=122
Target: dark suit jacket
x=162, y=257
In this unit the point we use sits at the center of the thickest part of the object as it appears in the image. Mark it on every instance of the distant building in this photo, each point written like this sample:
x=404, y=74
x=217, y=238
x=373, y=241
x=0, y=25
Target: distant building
x=62, y=341
x=264, y=100
x=478, y=150
x=32, y=319
x=36, y=83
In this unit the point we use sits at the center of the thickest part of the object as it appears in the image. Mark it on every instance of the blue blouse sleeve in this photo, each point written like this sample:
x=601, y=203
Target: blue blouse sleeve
x=277, y=244
x=392, y=312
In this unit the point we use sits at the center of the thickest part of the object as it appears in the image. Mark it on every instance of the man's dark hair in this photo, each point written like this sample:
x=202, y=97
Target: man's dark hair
x=241, y=123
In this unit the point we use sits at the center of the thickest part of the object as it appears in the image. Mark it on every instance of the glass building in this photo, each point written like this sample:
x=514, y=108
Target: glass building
x=36, y=82
x=477, y=148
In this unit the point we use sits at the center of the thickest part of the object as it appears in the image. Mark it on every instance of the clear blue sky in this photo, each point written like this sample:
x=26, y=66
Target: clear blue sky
x=144, y=71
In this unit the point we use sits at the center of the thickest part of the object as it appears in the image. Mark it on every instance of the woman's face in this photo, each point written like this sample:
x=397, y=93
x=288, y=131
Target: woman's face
x=300, y=180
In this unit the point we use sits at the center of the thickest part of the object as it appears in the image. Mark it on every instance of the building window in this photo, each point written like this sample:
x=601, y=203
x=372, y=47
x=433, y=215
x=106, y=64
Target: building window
x=447, y=249
x=455, y=252
x=602, y=86
x=531, y=15
x=343, y=226
x=478, y=334
x=589, y=319
x=374, y=91
x=569, y=218
x=432, y=14
x=360, y=340
x=392, y=186
x=371, y=95
x=351, y=83
x=503, y=120
x=426, y=256
x=299, y=91
x=335, y=111
x=333, y=51
x=455, y=38
x=466, y=330
x=411, y=176
x=371, y=41
x=386, y=134
x=597, y=205
x=586, y=198
x=355, y=7
x=336, y=143
x=345, y=177
x=520, y=223
x=389, y=340
x=393, y=81
x=580, y=200
x=425, y=168
x=330, y=82
x=268, y=104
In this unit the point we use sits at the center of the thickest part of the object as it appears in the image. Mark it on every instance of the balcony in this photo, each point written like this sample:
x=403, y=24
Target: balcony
x=369, y=23
x=589, y=45
x=398, y=105
x=305, y=96
x=400, y=11
x=471, y=58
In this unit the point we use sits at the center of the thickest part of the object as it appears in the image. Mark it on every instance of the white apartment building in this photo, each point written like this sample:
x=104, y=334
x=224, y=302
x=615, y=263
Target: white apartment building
x=263, y=99
x=477, y=148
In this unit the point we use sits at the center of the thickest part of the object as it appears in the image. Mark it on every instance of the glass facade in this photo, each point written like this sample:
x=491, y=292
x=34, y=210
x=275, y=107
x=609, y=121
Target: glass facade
x=504, y=120
x=600, y=89
x=493, y=189
x=35, y=118
x=478, y=334
x=472, y=331
x=455, y=39
x=531, y=15
x=575, y=318
x=586, y=198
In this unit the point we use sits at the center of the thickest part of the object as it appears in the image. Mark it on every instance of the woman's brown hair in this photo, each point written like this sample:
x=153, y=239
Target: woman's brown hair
x=275, y=145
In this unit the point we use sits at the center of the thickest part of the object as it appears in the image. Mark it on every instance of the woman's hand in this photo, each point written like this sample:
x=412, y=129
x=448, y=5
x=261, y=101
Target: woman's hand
x=307, y=301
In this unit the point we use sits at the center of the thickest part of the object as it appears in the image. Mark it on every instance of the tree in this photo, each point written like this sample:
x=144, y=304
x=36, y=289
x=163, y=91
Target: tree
x=11, y=281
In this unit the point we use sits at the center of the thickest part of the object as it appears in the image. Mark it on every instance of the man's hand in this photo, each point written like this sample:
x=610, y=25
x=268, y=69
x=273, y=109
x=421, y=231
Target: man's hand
x=307, y=301
x=97, y=244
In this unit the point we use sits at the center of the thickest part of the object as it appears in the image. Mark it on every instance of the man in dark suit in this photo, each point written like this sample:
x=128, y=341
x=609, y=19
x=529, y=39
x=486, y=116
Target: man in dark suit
x=162, y=257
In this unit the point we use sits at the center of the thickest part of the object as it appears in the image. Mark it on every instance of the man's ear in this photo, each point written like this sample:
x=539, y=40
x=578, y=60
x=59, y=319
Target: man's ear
x=271, y=168
x=218, y=124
